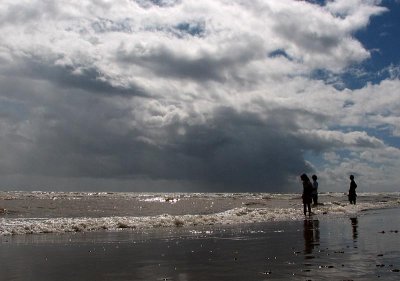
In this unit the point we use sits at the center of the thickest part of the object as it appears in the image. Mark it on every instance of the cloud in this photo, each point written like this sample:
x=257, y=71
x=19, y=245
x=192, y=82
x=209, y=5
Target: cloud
x=214, y=94
x=331, y=139
x=109, y=38
x=230, y=150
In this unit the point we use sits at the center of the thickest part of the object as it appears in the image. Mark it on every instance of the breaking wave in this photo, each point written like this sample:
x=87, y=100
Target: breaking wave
x=13, y=226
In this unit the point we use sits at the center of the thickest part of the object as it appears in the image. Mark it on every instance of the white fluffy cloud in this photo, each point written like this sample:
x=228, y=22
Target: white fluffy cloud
x=216, y=92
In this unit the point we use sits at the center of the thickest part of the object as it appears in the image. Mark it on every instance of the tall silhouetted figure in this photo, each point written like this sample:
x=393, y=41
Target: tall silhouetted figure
x=307, y=194
x=352, y=190
x=315, y=190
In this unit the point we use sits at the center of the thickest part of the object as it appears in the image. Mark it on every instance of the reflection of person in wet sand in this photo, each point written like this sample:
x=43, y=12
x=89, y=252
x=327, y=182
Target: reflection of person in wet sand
x=311, y=235
x=354, y=225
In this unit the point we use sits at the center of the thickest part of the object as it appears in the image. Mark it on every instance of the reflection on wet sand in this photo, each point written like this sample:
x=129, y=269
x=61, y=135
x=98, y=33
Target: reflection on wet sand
x=354, y=228
x=354, y=225
x=311, y=235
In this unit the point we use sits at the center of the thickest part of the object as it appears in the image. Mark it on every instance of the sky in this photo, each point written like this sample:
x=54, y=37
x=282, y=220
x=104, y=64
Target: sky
x=199, y=96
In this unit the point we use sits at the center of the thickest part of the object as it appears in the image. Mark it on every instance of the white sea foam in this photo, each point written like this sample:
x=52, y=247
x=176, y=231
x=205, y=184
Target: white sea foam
x=161, y=199
x=11, y=226
x=58, y=225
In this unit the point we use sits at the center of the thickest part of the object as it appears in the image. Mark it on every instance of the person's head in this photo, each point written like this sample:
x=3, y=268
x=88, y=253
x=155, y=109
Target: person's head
x=314, y=177
x=351, y=177
x=304, y=177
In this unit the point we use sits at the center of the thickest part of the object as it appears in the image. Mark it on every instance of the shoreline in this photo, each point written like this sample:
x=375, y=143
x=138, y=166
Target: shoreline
x=52, y=213
x=192, y=230
x=362, y=247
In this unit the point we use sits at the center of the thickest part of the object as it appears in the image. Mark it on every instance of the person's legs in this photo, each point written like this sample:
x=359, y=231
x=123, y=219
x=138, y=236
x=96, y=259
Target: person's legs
x=305, y=208
x=309, y=208
x=315, y=199
x=351, y=199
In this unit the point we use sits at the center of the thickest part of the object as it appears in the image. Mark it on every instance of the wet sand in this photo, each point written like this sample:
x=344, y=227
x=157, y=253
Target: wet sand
x=366, y=247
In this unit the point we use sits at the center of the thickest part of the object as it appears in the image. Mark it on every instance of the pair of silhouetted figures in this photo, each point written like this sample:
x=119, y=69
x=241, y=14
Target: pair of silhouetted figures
x=310, y=192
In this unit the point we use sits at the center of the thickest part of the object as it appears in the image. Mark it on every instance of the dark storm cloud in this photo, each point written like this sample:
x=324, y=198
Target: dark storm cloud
x=244, y=151
x=79, y=134
x=231, y=151
x=88, y=78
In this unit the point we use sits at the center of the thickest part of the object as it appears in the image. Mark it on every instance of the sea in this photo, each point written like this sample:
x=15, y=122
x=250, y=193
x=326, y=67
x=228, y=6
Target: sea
x=68, y=212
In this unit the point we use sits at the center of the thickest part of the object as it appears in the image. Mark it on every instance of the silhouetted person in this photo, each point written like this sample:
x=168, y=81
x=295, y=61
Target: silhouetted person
x=315, y=190
x=307, y=194
x=352, y=190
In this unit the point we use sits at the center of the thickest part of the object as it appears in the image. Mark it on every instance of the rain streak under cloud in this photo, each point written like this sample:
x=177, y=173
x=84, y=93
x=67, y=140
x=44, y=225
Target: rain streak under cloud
x=188, y=95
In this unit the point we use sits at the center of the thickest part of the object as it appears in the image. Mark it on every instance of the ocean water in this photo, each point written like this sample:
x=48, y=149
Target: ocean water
x=68, y=212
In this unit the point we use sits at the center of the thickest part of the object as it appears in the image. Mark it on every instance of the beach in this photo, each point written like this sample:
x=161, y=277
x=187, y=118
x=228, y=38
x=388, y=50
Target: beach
x=339, y=242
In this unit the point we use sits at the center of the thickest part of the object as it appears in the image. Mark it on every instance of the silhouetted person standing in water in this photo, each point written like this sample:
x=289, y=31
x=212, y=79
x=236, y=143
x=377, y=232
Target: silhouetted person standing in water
x=352, y=190
x=307, y=194
x=315, y=190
